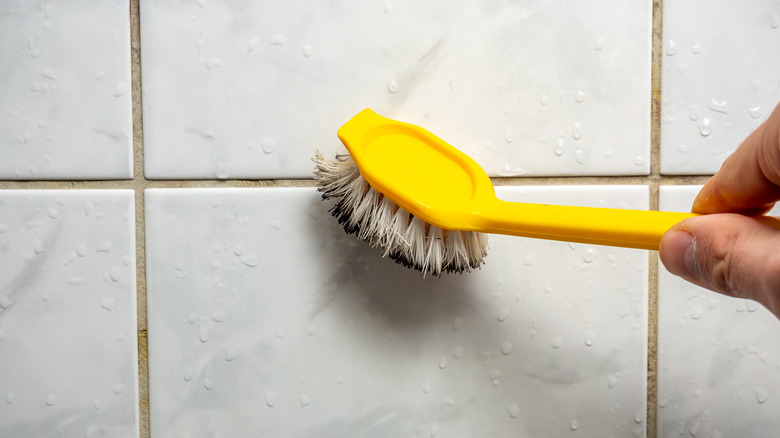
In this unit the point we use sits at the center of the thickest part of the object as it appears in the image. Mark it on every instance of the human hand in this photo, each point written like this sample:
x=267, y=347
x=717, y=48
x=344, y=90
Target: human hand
x=731, y=253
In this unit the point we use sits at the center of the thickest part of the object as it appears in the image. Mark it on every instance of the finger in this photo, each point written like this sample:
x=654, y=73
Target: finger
x=749, y=180
x=728, y=253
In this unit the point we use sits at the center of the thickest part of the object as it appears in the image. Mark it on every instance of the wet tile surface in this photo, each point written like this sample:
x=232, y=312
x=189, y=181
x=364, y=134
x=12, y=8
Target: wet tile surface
x=250, y=89
x=65, y=99
x=68, y=351
x=721, y=79
x=719, y=368
x=266, y=319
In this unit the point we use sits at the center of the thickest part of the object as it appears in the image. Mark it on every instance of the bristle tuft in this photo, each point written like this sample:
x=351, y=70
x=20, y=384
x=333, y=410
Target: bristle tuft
x=408, y=240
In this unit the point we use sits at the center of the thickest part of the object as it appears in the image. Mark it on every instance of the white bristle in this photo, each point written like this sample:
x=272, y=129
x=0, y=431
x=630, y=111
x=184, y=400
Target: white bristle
x=408, y=240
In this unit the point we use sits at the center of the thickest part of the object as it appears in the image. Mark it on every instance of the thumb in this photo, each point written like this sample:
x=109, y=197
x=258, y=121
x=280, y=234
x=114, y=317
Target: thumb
x=728, y=253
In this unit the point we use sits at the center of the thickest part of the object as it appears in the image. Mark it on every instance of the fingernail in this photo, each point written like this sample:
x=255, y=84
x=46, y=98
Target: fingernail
x=678, y=254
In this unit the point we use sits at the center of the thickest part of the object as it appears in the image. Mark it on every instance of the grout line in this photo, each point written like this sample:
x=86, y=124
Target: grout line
x=139, y=184
x=654, y=180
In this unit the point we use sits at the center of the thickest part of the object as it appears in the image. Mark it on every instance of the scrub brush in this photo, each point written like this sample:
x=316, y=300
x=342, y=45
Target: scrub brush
x=428, y=205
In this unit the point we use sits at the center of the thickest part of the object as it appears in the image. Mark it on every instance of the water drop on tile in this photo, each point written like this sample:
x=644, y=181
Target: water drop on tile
x=668, y=120
x=231, y=354
x=218, y=316
x=774, y=20
x=558, y=148
x=278, y=39
x=108, y=304
x=682, y=148
x=557, y=342
x=508, y=137
x=543, y=99
x=104, y=246
x=590, y=336
x=75, y=281
x=581, y=157
x=754, y=111
x=188, y=374
x=48, y=73
x=611, y=381
x=392, y=86
x=213, y=63
x=51, y=399
x=457, y=352
x=388, y=6
x=513, y=410
x=268, y=144
x=305, y=400
x=600, y=42
x=574, y=424
x=203, y=335
x=252, y=44
x=589, y=255
x=427, y=388
x=443, y=363
x=718, y=106
x=447, y=401
x=503, y=313
x=115, y=273
x=576, y=131
x=118, y=388
x=506, y=347
x=693, y=112
x=208, y=384
x=705, y=127
x=639, y=161
x=249, y=260
x=120, y=89
x=670, y=48
x=529, y=260
x=639, y=417
x=579, y=96
x=308, y=50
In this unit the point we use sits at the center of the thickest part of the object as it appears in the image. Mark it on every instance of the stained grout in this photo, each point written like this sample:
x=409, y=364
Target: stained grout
x=139, y=183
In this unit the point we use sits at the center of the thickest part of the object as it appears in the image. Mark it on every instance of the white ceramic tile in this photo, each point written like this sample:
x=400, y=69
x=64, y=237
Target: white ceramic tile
x=249, y=89
x=721, y=79
x=265, y=319
x=68, y=350
x=719, y=368
x=65, y=101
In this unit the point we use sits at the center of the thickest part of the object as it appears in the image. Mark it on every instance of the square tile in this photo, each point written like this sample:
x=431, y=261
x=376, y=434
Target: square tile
x=721, y=79
x=718, y=364
x=250, y=89
x=68, y=350
x=266, y=319
x=65, y=100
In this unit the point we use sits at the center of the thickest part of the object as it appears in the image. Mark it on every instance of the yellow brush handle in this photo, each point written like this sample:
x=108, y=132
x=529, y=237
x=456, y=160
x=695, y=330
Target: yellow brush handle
x=601, y=226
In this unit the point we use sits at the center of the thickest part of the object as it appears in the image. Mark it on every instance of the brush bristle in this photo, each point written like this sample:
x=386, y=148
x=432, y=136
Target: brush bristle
x=408, y=240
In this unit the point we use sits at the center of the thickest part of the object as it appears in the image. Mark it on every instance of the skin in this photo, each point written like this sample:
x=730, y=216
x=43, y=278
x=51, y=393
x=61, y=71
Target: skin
x=729, y=252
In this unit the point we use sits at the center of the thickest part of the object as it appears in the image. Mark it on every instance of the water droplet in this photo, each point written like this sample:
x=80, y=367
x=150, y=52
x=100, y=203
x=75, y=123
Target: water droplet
x=574, y=424
x=589, y=337
x=718, y=106
x=599, y=45
x=249, y=260
x=580, y=156
x=639, y=417
x=529, y=260
x=576, y=131
x=670, y=48
x=213, y=63
x=774, y=20
x=443, y=362
x=696, y=49
x=278, y=39
x=579, y=96
x=51, y=399
x=705, y=127
x=118, y=388
x=307, y=51
x=639, y=161
x=189, y=373
x=231, y=354
x=506, y=347
x=270, y=399
x=557, y=342
x=105, y=246
x=203, y=335
x=48, y=73
x=218, y=316
x=558, y=148
x=682, y=148
x=543, y=99
x=75, y=281
x=305, y=400
x=611, y=381
x=392, y=86
x=434, y=430
x=388, y=6
x=252, y=44
x=120, y=89
x=503, y=313
x=513, y=410
x=268, y=144
x=508, y=136
x=751, y=305
x=208, y=384
x=589, y=255
x=457, y=352
x=108, y=303
x=115, y=273
x=447, y=401
x=494, y=375
x=81, y=250
x=754, y=111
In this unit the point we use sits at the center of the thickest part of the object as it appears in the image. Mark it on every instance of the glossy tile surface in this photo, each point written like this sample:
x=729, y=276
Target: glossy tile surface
x=719, y=366
x=65, y=99
x=721, y=79
x=250, y=89
x=265, y=319
x=68, y=351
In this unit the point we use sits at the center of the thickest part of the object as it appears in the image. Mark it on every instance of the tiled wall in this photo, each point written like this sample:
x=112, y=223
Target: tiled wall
x=169, y=270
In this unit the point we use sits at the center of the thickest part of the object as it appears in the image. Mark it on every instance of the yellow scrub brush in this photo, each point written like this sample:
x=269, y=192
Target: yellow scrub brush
x=427, y=204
